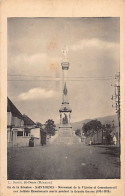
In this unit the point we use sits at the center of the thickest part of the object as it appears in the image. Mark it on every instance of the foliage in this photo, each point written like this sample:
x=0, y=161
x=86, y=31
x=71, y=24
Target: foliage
x=91, y=127
x=107, y=130
x=38, y=124
x=78, y=132
x=94, y=126
x=50, y=127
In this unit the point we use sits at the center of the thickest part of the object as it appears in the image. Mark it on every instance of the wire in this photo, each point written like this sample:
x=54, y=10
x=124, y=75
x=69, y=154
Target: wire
x=66, y=77
x=61, y=80
x=29, y=76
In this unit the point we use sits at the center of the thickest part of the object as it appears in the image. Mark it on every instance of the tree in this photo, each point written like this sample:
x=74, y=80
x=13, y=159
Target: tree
x=107, y=130
x=91, y=127
x=50, y=127
x=38, y=124
x=78, y=132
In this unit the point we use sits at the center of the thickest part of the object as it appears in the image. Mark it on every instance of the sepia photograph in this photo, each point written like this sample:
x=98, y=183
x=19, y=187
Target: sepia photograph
x=63, y=98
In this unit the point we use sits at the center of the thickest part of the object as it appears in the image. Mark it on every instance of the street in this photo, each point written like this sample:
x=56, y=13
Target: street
x=63, y=161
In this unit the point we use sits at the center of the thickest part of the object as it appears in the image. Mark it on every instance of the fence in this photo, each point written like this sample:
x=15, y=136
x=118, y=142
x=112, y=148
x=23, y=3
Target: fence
x=100, y=137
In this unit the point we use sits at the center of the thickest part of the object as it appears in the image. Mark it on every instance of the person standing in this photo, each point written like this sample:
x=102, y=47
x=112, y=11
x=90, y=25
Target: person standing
x=114, y=140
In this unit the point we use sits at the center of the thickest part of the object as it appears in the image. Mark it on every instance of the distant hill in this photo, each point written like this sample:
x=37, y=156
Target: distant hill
x=103, y=120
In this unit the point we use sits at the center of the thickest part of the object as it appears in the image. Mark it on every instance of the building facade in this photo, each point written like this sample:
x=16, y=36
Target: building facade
x=15, y=123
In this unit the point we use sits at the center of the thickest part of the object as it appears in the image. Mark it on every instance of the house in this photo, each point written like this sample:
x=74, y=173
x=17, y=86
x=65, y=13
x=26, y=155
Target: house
x=15, y=123
x=31, y=130
x=28, y=125
x=20, y=128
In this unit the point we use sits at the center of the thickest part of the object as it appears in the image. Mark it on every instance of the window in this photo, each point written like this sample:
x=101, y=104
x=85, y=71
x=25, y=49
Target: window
x=19, y=133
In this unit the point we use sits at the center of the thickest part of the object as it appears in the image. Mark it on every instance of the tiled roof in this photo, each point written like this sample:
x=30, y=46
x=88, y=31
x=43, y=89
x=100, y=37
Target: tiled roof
x=27, y=120
x=12, y=108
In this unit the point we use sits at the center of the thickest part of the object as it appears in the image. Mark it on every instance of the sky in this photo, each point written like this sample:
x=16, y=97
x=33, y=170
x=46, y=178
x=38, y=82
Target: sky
x=34, y=65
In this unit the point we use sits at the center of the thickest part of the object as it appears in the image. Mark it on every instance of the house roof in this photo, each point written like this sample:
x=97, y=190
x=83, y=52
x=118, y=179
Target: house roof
x=27, y=120
x=12, y=108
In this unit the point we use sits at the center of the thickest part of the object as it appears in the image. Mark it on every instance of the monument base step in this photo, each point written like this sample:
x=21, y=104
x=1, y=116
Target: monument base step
x=67, y=140
x=66, y=136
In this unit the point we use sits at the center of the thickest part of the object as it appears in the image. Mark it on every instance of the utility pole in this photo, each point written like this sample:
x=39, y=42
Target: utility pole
x=116, y=98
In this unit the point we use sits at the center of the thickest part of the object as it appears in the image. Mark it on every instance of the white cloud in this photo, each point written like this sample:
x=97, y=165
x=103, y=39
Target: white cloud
x=36, y=58
x=30, y=60
x=96, y=43
x=37, y=64
x=36, y=93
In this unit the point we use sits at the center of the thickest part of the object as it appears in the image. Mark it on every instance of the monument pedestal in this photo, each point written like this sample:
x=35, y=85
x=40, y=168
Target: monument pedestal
x=65, y=132
x=67, y=136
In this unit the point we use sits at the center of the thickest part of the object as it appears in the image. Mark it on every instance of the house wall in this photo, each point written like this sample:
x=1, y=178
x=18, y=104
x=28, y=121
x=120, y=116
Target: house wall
x=22, y=123
x=9, y=116
x=19, y=141
x=12, y=138
x=17, y=121
x=14, y=121
x=35, y=132
x=9, y=135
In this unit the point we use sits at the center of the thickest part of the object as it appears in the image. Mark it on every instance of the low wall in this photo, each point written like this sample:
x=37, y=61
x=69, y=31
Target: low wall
x=24, y=141
x=37, y=142
x=97, y=138
x=21, y=141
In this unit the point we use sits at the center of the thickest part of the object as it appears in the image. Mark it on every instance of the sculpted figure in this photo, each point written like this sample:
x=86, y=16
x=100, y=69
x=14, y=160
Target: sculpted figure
x=65, y=119
x=65, y=53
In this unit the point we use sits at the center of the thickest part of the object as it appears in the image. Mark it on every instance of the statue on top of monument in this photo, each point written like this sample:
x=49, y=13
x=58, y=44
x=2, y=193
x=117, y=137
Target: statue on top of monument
x=65, y=53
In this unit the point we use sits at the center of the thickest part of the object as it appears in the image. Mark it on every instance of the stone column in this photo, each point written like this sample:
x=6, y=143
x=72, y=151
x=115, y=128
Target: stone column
x=69, y=117
x=63, y=84
x=60, y=118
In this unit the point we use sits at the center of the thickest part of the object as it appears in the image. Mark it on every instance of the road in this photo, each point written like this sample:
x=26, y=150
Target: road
x=62, y=161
